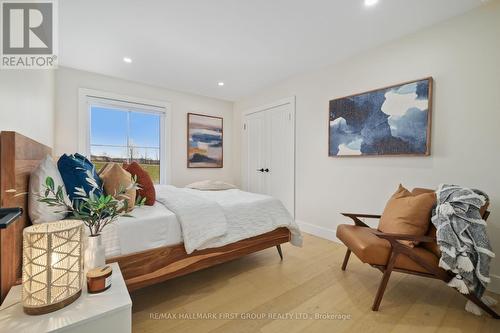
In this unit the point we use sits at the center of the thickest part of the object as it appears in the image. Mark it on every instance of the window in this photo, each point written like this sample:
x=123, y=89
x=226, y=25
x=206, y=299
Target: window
x=123, y=132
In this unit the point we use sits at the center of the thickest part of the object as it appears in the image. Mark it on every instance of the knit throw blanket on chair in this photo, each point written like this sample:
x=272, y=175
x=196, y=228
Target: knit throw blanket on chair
x=462, y=237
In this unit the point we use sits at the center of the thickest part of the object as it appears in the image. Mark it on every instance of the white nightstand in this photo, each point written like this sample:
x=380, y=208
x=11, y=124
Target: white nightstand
x=109, y=311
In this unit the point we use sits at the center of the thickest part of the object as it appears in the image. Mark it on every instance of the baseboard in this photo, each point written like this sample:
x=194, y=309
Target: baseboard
x=494, y=285
x=317, y=231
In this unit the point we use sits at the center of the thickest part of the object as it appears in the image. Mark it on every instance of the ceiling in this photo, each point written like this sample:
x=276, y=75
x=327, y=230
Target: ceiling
x=191, y=45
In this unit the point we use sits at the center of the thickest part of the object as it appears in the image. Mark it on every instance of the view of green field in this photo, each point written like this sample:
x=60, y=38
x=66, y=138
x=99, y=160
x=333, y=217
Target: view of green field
x=152, y=169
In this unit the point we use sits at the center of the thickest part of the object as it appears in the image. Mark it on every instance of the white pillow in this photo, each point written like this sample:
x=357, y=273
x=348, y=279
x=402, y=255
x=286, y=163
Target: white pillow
x=40, y=212
x=211, y=185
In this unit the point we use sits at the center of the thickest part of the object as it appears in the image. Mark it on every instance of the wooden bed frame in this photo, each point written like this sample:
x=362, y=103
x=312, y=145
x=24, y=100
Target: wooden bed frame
x=19, y=155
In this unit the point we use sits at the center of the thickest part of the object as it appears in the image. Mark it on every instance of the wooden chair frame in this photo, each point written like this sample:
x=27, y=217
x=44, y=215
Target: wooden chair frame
x=398, y=248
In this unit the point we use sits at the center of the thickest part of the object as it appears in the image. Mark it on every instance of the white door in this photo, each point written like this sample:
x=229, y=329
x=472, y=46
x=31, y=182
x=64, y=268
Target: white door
x=280, y=165
x=269, y=153
x=255, y=130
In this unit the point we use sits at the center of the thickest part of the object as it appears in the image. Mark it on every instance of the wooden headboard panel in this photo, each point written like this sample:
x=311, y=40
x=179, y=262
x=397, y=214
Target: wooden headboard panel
x=19, y=155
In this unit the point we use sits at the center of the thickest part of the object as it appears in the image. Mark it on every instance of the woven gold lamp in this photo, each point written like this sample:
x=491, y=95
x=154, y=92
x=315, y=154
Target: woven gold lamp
x=52, y=265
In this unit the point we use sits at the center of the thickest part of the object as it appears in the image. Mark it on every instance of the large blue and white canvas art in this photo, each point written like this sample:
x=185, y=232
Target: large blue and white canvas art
x=205, y=141
x=391, y=121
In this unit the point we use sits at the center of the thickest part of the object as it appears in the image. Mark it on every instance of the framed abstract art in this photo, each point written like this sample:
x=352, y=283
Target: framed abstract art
x=204, y=141
x=394, y=120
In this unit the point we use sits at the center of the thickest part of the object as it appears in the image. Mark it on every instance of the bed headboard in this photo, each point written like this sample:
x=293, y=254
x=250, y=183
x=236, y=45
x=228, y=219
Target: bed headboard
x=19, y=155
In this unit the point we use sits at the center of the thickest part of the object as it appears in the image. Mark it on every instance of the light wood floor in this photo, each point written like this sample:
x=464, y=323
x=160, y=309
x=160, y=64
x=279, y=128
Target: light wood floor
x=308, y=281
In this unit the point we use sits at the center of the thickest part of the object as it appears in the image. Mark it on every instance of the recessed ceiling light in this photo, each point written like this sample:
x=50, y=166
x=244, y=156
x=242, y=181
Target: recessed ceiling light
x=220, y=84
x=369, y=3
x=127, y=60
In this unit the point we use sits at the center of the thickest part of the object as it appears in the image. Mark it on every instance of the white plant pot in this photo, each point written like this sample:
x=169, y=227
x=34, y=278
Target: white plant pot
x=94, y=255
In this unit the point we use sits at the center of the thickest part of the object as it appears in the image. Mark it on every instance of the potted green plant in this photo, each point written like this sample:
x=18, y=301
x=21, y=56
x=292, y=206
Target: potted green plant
x=96, y=212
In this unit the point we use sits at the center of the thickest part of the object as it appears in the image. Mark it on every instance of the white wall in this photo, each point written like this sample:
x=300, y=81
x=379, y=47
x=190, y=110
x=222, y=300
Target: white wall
x=27, y=103
x=68, y=82
x=463, y=56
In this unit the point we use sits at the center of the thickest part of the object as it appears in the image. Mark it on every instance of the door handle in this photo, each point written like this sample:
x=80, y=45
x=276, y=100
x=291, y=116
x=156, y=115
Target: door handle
x=261, y=170
x=266, y=170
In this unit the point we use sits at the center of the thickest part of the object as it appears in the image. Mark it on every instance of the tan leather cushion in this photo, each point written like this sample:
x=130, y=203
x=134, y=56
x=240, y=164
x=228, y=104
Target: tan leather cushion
x=484, y=209
x=373, y=250
x=420, y=190
x=431, y=246
x=407, y=214
x=115, y=179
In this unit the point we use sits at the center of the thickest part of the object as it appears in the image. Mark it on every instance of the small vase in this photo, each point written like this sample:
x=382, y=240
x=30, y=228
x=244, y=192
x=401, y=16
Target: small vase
x=94, y=253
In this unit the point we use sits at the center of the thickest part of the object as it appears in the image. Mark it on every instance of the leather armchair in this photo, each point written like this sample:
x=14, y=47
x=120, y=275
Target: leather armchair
x=385, y=252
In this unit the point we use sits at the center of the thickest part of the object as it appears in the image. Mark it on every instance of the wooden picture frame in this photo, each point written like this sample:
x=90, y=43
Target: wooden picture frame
x=206, y=151
x=339, y=107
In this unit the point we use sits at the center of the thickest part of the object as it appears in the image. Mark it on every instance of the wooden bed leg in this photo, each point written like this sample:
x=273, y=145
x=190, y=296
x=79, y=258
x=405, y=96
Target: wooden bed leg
x=346, y=259
x=385, y=279
x=278, y=247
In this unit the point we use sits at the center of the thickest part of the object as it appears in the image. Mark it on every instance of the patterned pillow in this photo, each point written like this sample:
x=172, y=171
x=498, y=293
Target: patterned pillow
x=74, y=172
x=40, y=212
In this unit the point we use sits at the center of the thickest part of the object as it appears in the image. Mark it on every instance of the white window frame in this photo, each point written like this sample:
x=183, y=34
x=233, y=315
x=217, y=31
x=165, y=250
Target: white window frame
x=88, y=97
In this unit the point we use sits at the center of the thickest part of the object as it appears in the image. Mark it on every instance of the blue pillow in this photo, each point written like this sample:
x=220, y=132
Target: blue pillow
x=73, y=169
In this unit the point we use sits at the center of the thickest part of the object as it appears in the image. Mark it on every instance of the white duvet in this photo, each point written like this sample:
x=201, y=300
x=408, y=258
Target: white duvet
x=216, y=218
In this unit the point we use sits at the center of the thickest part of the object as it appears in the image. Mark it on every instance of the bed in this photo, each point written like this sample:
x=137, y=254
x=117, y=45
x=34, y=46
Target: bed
x=150, y=247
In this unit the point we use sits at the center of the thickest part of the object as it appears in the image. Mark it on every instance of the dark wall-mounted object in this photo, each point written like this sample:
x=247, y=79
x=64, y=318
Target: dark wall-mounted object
x=9, y=215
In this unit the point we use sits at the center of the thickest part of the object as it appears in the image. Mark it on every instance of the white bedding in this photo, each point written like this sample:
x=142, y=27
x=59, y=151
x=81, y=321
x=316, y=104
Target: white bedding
x=216, y=218
x=207, y=219
x=151, y=227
